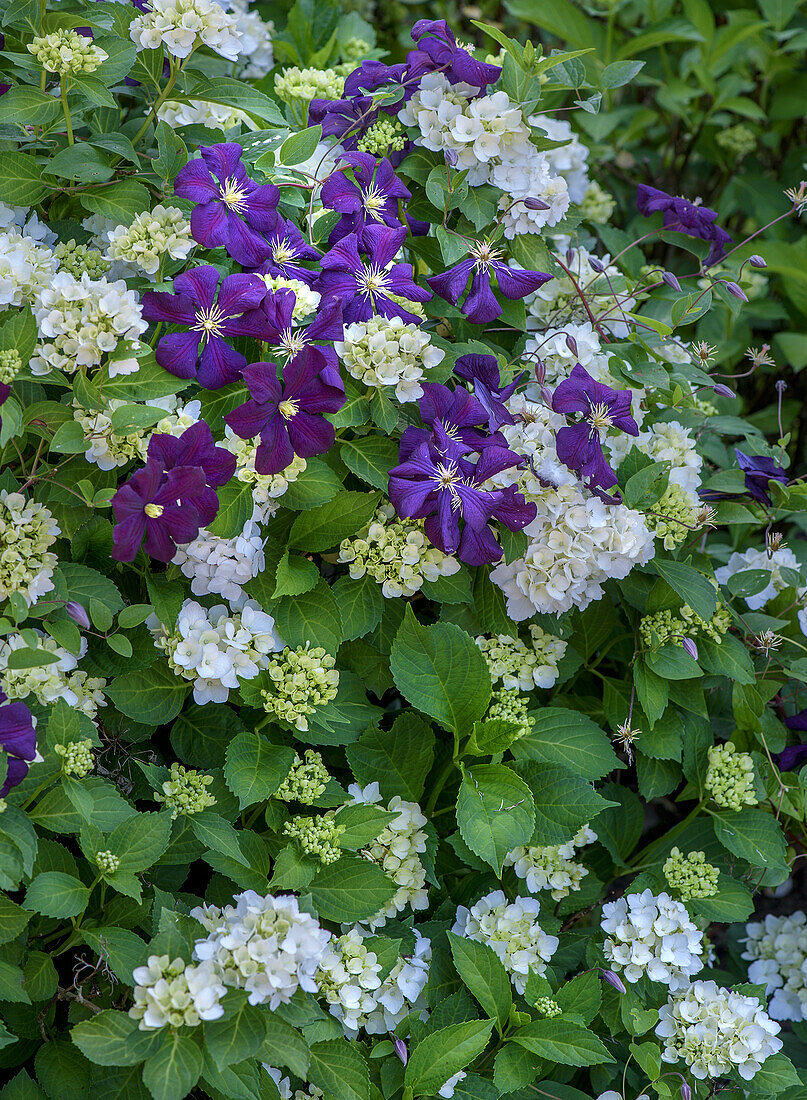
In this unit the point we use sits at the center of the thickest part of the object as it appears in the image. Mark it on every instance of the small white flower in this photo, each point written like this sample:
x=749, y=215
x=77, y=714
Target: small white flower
x=176, y=994
x=221, y=566
x=387, y=352
x=523, y=666
x=512, y=930
x=27, y=531
x=47, y=683
x=551, y=867
x=141, y=246
x=184, y=25
x=776, y=948
x=653, y=935
x=256, y=57
x=197, y=112
x=783, y=558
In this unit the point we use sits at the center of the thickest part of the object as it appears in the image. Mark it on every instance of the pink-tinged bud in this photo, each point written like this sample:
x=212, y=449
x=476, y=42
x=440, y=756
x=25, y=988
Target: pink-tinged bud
x=736, y=291
x=689, y=646
x=400, y=1050
x=569, y=257
x=451, y=157
x=78, y=614
x=595, y=263
x=781, y=386
x=540, y=372
x=757, y=261
x=724, y=391
x=536, y=204
x=546, y=394
x=686, y=1092
x=614, y=980
x=671, y=281
x=571, y=344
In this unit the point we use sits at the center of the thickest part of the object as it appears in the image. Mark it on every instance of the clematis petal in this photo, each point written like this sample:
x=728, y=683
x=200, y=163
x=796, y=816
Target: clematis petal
x=178, y=353
x=219, y=364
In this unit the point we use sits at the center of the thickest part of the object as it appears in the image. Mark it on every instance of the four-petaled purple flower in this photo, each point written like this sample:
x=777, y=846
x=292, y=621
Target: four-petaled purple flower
x=579, y=445
x=683, y=216
x=483, y=372
x=287, y=413
x=195, y=447
x=203, y=352
x=438, y=51
x=371, y=200
x=364, y=286
x=163, y=506
x=232, y=210
x=18, y=741
x=454, y=419
x=287, y=340
x=759, y=473
x=481, y=304
x=287, y=250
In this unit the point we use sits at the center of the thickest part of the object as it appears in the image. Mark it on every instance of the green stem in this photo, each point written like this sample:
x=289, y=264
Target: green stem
x=66, y=109
x=440, y=781
x=161, y=98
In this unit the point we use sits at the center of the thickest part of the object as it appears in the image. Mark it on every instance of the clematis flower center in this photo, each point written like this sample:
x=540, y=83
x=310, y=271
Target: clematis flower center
x=600, y=417
x=153, y=511
x=234, y=195
x=373, y=201
x=209, y=321
x=446, y=477
x=371, y=281
x=283, y=253
x=291, y=343
x=485, y=254
x=288, y=409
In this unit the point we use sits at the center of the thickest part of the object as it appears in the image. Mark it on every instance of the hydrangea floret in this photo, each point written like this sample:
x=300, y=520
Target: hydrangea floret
x=185, y=792
x=730, y=778
x=306, y=780
x=300, y=681
x=653, y=935
x=690, y=876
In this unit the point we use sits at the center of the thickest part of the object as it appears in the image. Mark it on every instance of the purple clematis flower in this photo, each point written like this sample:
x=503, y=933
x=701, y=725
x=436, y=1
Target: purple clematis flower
x=364, y=285
x=287, y=339
x=163, y=506
x=203, y=352
x=232, y=210
x=454, y=418
x=287, y=413
x=195, y=447
x=438, y=51
x=793, y=756
x=371, y=200
x=18, y=741
x=287, y=250
x=759, y=473
x=481, y=305
x=372, y=75
x=683, y=216
x=578, y=445
x=483, y=372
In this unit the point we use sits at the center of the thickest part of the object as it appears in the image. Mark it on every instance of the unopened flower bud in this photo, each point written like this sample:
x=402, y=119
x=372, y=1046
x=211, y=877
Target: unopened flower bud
x=536, y=204
x=689, y=646
x=724, y=391
x=671, y=281
x=540, y=372
x=400, y=1049
x=571, y=344
x=569, y=257
x=756, y=261
x=451, y=157
x=736, y=291
x=546, y=396
x=686, y=1091
x=614, y=980
x=78, y=614
x=596, y=264
x=781, y=386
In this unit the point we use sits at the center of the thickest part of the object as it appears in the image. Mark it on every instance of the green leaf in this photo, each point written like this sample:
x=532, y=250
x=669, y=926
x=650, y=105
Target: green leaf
x=295, y=575
x=104, y=1038
x=362, y=824
x=483, y=973
x=237, y=1035
x=69, y=439
x=444, y=1053
x=283, y=1046
x=399, y=758
x=339, y=1069
x=351, y=889
x=568, y=738
x=235, y=508
x=149, y=381
x=299, y=147
x=141, y=840
x=693, y=588
x=12, y=919
x=22, y=177
x=83, y=163
x=441, y=671
x=371, y=458
x=563, y=801
x=29, y=107
x=495, y=812
x=214, y=832
x=311, y=618
x=580, y=999
x=619, y=73
x=732, y=902
x=728, y=657
x=124, y=950
x=153, y=696
x=236, y=93
x=316, y=485
x=254, y=768
x=120, y=201
x=563, y=1042
x=174, y=1069
x=752, y=835
x=326, y=526
x=63, y=1071
x=360, y=603
x=775, y=1076
x=55, y=894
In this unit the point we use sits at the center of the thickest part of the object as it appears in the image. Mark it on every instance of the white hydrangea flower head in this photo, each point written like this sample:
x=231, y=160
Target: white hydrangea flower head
x=266, y=488
x=197, y=112
x=348, y=979
x=395, y=553
x=716, y=1030
x=533, y=436
x=266, y=945
x=184, y=25
x=397, y=851
x=107, y=449
x=213, y=647
x=772, y=563
x=552, y=867
x=776, y=948
x=568, y=160
x=401, y=994
x=301, y=680
x=47, y=683
x=256, y=57
x=141, y=246
x=27, y=531
x=175, y=994
x=296, y=85
x=388, y=352
x=27, y=222
x=512, y=930
x=26, y=267
x=652, y=934
x=576, y=544
x=522, y=666
x=529, y=178
x=222, y=566
x=81, y=320
x=67, y=52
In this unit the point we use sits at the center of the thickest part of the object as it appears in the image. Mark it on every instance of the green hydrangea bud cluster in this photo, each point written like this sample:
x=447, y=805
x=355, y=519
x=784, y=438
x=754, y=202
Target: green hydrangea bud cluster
x=355, y=49
x=302, y=680
x=384, y=137
x=306, y=781
x=690, y=876
x=597, y=205
x=666, y=626
x=66, y=52
x=295, y=85
x=547, y=1008
x=10, y=365
x=730, y=777
x=739, y=141
x=673, y=516
x=77, y=758
x=510, y=705
x=186, y=791
x=316, y=836
x=704, y=407
x=107, y=862
x=77, y=258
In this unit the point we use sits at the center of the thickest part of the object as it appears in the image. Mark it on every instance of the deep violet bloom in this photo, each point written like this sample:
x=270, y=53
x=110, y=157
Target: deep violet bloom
x=364, y=285
x=17, y=740
x=483, y=372
x=438, y=51
x=345, y=119
x=232, y=210
x=163, y=506
x=287, y=251
x=286, y=412
x=454, y=420
x=759, y=473
x=371, y=200
x=481, y=304
x=287, y=340
x=203, y=352
x=195, y=447
x=372, y=75
x=683, y=216
x=578, y=445
x=793, y=756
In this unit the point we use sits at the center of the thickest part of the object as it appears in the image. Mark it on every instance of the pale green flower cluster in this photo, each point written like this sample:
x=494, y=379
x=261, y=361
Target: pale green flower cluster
x=107, y=862
x=674, y=516
x=667, y=626
x=523, y=666
x=306, y=781
x=165, y=231
x=77, y=258
x=77, y=758
x=384, y=137
x=47, y=683
x=547, y=1009
x=10, y=365
x=509, y=705
x=388, y=353
x=730, y=777
x=690, y=876
x=597, y=205
x=176, y=993
x=185, y=792
x=302, y=680
x=67, y=53
x=297, y=84
x=27, y=531
x=739, y=141
x=348, y=978
x=316, y=836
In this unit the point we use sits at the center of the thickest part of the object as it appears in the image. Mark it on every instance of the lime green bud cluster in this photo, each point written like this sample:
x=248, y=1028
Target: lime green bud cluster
x=547, y=1008
x=384, y=137
x=186, y=791
x=665, y=626
x=302, y=680
x=674, y=516
x=10, y=365
x=597, y=205
x=509, y=705
x=295, y=84
x=77, y=758
x=107, y=862
x=355, y=49
x=66, y=52
x=704, y=407
x=75, y=259
x=306, y=781
x=690, y=876
x=739, y=140
x=316, y=836
x=730, y=777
